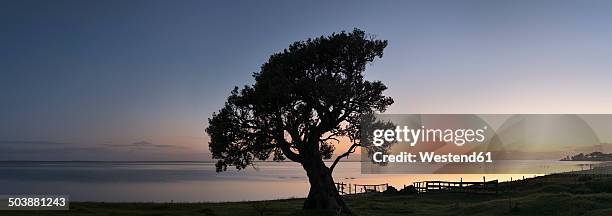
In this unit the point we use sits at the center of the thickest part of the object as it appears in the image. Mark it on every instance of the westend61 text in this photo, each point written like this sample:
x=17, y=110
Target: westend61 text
x=429, y=157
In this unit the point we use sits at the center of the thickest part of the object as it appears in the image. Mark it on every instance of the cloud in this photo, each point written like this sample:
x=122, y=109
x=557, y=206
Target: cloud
x=31, y=142
x=142, y=144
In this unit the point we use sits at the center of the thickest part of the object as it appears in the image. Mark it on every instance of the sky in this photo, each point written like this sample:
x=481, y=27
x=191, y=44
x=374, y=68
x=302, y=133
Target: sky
x=137, y=80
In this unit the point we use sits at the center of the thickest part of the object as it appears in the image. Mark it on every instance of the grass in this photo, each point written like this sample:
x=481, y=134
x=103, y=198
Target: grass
x=547, y=195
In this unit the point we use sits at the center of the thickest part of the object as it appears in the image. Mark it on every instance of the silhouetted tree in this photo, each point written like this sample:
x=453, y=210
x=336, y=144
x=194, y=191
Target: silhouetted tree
x=304, y=99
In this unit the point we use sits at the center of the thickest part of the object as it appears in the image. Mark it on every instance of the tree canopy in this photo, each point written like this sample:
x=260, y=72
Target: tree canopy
x=304, y=99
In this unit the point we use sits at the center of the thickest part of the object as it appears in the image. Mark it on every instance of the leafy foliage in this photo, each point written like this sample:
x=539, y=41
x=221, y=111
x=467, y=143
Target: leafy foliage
x=304, y=99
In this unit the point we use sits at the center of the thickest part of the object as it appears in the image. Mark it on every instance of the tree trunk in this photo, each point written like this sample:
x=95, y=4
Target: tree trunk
x=323, y=193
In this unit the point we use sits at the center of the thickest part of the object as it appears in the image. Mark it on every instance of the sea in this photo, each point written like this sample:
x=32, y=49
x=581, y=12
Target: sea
x=157, y=181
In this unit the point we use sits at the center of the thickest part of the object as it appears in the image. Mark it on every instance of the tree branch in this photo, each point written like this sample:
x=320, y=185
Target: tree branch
x=290, y=154
x=332, y=136
x=345, y=154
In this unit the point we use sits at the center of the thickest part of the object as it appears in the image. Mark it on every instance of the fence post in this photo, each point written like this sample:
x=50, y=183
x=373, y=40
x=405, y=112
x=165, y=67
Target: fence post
x=496, y=187
x=484, y=184
x=510, y=186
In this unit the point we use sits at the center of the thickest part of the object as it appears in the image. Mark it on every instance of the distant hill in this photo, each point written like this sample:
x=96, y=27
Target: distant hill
x=594, y=156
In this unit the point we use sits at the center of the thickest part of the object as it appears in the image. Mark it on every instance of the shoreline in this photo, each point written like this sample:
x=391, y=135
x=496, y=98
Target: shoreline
x=555, y=194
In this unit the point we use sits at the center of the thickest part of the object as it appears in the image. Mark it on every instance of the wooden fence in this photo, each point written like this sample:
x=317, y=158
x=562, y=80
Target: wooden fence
x=344, y=188
x=484, y=187
x=481, y=187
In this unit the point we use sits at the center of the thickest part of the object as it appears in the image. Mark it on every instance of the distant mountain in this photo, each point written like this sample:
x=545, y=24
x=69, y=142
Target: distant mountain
x=594, y=156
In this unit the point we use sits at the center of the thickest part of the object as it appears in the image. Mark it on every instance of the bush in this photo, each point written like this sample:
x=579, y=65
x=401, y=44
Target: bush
x=390, y=190
x=408, y=190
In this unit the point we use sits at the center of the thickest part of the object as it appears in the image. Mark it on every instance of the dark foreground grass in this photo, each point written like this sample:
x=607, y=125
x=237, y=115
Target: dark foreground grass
x=549, y=195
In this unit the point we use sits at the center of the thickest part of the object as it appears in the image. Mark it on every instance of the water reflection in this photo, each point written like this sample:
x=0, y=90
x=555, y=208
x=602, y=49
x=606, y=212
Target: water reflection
x=191, y=182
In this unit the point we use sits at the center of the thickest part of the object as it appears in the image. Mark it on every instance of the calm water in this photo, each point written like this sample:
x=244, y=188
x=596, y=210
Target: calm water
x=193, y=181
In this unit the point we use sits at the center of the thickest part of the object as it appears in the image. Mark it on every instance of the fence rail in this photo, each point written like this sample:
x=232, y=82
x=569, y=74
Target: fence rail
x=484, y=187
x=344, y=188
x=474, y=187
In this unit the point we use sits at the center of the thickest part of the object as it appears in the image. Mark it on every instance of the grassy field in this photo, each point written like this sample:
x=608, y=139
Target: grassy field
x=547, y=195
